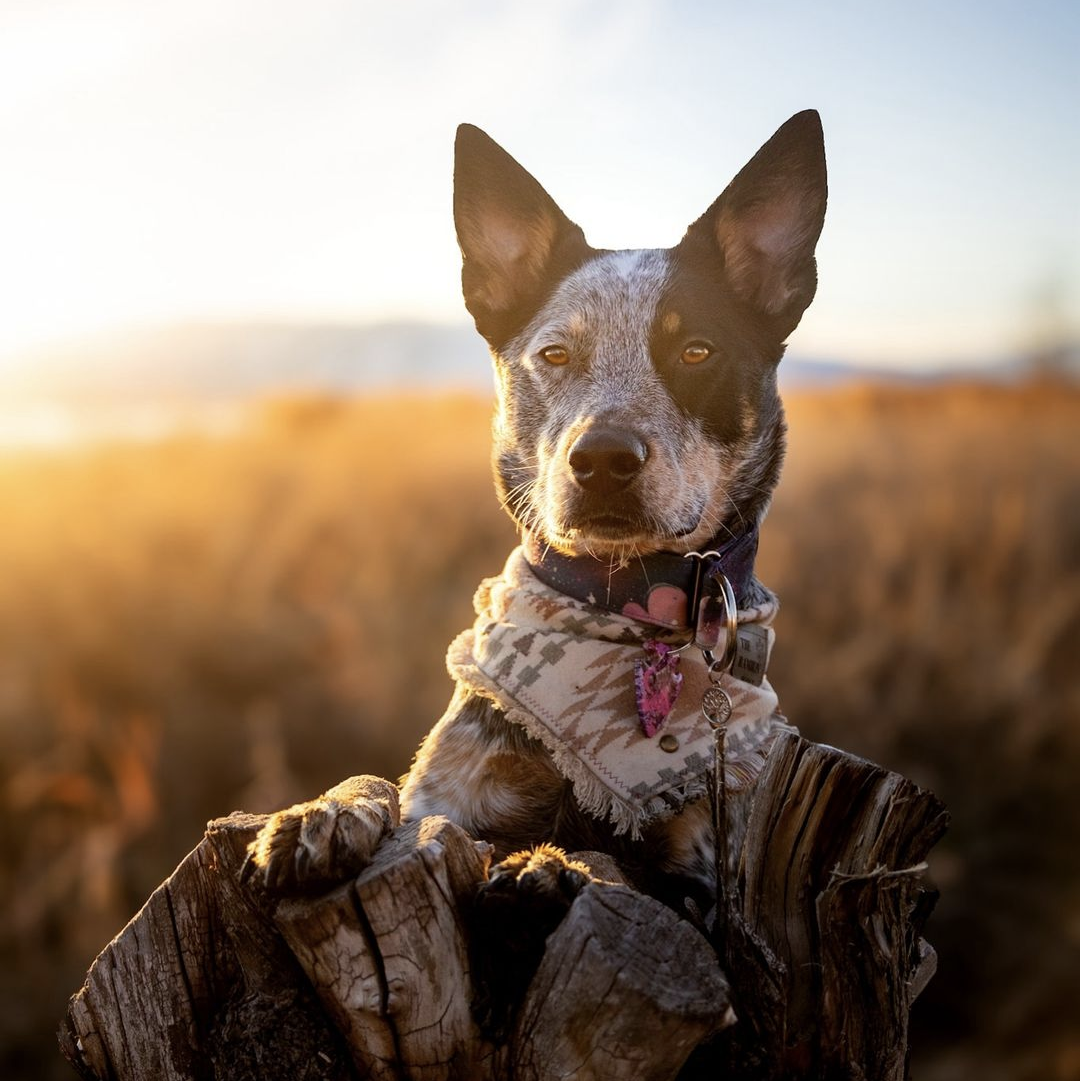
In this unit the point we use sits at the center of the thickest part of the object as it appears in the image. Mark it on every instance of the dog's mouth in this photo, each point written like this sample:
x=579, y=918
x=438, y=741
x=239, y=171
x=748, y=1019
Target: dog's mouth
x=582, y=527
x=614, y=526
x=606, y=533
x=601, y=535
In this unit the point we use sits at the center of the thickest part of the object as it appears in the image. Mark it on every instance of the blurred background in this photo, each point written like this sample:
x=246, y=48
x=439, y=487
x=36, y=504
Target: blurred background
x=244, y=498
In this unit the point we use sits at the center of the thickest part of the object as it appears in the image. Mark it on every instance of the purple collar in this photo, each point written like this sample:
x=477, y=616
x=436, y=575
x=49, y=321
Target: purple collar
x=661, y=588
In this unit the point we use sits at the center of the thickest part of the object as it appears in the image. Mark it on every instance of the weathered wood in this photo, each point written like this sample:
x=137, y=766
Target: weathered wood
x=826, y=958
x=199, y=984
x=387, y=955
x=626, y=990
x=821, y=946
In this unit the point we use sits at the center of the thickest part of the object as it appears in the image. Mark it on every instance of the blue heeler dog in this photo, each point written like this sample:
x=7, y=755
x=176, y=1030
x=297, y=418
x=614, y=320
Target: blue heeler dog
x=637, y=421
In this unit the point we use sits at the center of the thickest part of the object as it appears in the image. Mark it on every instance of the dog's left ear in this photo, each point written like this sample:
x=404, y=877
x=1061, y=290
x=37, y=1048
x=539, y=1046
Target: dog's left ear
x=768, y=221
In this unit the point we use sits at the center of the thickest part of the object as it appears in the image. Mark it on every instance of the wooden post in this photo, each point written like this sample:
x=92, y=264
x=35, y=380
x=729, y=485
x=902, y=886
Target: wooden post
x=823, y=955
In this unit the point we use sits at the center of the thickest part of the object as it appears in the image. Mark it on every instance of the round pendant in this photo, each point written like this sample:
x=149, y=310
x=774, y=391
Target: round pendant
x=716, y=705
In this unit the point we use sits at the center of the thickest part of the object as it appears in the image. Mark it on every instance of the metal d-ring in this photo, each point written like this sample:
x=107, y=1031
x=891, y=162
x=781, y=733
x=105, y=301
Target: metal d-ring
x=718, y=667
x=730, y=616
x=694, y=597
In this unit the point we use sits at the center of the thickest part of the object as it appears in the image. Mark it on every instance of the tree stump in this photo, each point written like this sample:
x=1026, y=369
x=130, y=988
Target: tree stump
x=820, y=943
x=200, y=984
x=823, y=948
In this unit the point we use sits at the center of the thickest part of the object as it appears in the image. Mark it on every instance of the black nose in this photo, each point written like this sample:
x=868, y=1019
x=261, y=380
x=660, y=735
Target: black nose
x=605, y=459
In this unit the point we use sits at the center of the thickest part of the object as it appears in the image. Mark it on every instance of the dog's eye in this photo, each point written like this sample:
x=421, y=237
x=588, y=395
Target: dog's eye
x=555, y=354
x=696, y=352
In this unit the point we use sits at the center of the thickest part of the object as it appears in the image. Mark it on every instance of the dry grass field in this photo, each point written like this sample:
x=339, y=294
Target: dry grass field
x=204, y=624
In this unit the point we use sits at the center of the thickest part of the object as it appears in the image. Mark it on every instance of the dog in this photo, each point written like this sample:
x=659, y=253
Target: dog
x=638, y=437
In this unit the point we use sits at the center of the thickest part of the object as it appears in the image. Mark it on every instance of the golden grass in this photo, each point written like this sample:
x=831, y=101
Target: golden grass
x=202, y=624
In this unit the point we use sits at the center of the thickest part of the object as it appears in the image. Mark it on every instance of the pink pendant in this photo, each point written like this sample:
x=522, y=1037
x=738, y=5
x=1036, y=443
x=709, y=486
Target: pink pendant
x=656, y=681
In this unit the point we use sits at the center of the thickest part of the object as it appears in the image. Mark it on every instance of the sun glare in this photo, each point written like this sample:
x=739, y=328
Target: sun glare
x=202, y=161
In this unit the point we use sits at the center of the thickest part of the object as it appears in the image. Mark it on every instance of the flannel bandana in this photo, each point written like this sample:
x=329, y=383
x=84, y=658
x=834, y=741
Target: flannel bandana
x=564, y=671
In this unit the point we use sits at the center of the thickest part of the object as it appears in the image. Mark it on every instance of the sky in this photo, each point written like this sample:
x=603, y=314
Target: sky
x=291, y=161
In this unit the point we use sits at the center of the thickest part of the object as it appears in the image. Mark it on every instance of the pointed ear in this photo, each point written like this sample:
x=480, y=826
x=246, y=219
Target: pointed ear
x=769, y=218
x=515, y=242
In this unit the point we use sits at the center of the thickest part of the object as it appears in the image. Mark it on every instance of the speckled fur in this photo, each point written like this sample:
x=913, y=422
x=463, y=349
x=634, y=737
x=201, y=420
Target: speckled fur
x=715, y=438
x=603, y=313
x=713, y=433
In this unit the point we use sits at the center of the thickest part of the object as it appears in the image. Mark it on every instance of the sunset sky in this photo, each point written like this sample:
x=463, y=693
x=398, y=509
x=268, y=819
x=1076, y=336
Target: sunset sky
x=260, y=159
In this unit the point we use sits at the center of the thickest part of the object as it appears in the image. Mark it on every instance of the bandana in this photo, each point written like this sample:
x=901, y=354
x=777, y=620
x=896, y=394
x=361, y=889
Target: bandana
x=564, y=671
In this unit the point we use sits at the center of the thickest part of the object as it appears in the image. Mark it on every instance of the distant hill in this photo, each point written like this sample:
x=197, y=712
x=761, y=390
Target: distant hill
x=228, y=363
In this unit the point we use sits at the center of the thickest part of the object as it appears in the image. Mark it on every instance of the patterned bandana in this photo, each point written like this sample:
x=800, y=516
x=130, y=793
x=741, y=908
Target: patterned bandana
x=564, y=671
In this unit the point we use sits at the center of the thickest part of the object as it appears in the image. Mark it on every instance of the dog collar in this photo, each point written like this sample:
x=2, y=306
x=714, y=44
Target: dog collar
x=664, y=589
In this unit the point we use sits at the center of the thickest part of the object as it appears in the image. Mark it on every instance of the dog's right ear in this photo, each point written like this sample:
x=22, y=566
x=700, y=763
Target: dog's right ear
x=515, y=242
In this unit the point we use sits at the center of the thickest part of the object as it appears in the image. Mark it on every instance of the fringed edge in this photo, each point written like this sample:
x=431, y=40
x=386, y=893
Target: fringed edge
x=594, y=797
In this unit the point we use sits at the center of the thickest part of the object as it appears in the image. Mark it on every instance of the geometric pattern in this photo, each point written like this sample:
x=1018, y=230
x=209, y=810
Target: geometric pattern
x=564, y=671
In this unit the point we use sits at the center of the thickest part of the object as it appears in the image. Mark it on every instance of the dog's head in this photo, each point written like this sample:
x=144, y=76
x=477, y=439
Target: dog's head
x=637, y=404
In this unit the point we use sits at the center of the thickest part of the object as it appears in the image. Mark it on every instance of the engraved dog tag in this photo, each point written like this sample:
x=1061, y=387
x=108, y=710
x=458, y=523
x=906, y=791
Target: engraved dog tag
x=751, y=654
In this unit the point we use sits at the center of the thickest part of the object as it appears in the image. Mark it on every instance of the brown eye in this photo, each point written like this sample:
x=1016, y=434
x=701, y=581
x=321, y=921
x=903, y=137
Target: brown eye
x=555, y=354
x=695, y=353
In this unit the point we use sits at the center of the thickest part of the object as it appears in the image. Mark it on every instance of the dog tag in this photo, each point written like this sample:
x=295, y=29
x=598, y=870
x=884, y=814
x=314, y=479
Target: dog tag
x=716, y=705
x=751, y=654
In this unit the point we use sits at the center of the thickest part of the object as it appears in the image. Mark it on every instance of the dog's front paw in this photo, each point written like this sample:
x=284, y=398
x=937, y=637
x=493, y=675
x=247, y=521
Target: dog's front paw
x=541, y=882
x=315, y=845
x=524, y=900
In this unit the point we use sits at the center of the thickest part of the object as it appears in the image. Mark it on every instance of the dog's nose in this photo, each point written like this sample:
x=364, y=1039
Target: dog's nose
x=605, y=459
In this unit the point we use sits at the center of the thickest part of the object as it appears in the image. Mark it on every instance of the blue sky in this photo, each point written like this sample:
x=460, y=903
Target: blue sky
x=292, y=161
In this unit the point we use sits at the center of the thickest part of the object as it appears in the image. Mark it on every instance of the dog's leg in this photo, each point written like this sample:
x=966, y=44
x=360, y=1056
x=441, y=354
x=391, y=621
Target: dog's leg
x=514, y=912
x=495, y=781
x=317, y=844
x=485, y=774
